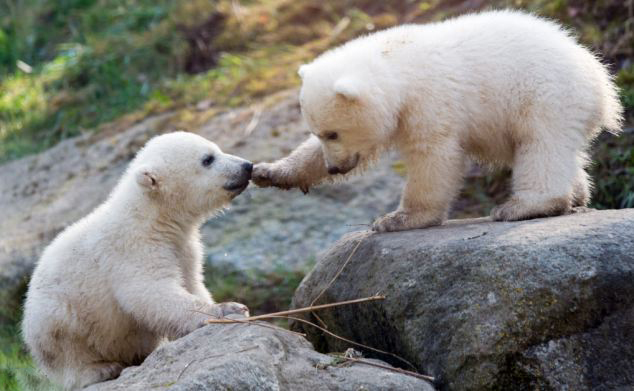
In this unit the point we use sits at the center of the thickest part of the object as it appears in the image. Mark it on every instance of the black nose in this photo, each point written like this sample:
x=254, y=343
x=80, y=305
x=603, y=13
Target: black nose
x=248, y=167
x=333, y=170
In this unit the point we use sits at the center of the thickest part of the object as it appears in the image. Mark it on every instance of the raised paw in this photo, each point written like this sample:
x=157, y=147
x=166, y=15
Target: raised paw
x=268, y=174
x=232, y=308
x=263, y=175
x=401, y=221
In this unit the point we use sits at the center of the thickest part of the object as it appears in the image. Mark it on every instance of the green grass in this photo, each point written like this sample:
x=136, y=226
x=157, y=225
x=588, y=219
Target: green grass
x=613, y=156
x=17, y=372
x=613, y=172
x=94, y=61
x=625, y=80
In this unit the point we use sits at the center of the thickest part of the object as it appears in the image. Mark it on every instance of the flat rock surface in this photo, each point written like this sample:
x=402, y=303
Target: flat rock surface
x=539, y=304
x=250, y=357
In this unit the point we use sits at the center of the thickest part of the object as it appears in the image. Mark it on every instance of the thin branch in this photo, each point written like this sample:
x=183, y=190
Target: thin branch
x=332, y=281
x=265, y=325
x=323, y=324
x=350, y=341
x=286, y=315
x=297, y=310
x=399, y=370
x=339, y=272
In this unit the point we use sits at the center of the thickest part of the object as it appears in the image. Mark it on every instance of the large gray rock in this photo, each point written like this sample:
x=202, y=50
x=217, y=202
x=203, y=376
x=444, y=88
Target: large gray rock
x=250, y=357
x=539, y=304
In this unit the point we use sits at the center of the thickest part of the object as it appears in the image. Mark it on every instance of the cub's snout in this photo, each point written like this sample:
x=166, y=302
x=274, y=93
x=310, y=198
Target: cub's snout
x=344, y=167
x=240, y=181
x=248, y=168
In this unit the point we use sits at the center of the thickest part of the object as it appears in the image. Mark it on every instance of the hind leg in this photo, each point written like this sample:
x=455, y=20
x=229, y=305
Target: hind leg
x=545, y=178
x=582, y=186
x=91, y=374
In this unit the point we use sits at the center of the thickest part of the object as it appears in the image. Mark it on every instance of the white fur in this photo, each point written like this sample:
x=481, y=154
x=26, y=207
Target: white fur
x=112, y=286
x=504, y=88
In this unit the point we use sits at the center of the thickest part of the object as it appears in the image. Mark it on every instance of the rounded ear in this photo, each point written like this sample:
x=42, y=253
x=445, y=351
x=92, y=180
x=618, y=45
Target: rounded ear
x=147, y=178
x=302, y=70
x=348, y=88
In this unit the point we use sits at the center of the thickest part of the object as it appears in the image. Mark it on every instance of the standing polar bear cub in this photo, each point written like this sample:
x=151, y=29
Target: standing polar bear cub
x=504, y=88
x=112, y=286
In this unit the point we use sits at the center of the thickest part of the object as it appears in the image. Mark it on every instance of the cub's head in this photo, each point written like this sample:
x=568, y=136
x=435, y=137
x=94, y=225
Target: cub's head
x=188, y=174
x=350, y=110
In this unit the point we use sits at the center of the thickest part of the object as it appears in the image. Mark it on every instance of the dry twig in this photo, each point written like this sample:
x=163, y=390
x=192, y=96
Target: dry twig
x=352, y=342
x=287, y=315
x=297, y=310
x=338, y=272
x=399, y=370
x=265, y=325
x=323, y=324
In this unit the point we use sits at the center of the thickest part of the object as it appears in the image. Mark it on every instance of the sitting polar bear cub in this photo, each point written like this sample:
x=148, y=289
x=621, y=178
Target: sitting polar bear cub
x=112, y=286
x=503, y=88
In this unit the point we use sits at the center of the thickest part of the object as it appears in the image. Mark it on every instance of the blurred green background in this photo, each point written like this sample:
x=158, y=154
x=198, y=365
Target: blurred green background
x=74, y=66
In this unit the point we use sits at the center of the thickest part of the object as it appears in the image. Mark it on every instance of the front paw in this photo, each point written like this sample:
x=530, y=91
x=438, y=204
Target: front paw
x=232, y=308
x=401, y=221
x=263, y=175
x=219, y=311
x=271, y=175
x=267, y=175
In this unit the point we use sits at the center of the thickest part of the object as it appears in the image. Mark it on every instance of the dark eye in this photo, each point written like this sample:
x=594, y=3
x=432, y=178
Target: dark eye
x=332, y=136
x=207, y=160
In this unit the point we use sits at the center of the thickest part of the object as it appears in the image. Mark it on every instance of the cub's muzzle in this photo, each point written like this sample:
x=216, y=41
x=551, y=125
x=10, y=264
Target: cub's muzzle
x=240, y=182
x=345, y=167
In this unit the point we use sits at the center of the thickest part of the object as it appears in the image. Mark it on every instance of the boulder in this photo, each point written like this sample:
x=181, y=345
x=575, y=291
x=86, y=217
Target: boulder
x=538, y=304
x=252, y=357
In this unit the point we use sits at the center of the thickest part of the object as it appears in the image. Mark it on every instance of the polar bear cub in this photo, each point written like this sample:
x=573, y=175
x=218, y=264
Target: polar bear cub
x=503, y=88
x=112, y=286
